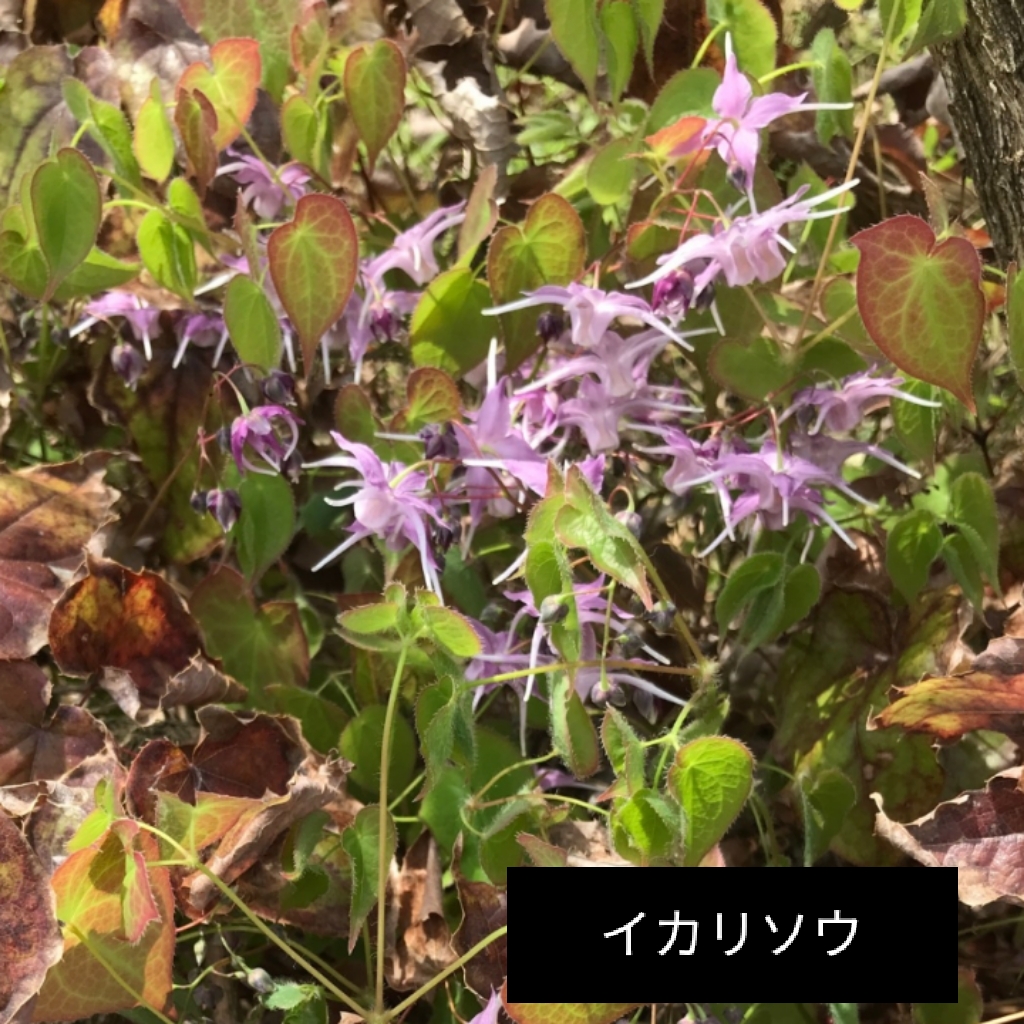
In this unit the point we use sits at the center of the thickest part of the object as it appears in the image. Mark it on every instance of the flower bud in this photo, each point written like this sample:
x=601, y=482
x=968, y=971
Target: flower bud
x=631, y=640
x=550, y=326
x=278, y=387
x=198, y=502
x=383, y=324
x=674, y=293
x=633, y=521
x=128, y=363
x=552, y=610
x=661, y=617
x=737, y=177
x=225, y=506
x=440, y=442
x=259, y=981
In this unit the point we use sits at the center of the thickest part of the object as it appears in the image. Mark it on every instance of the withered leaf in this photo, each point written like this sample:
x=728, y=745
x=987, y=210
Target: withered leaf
x=484, y=909
x=49, y=516
x=980, y=833
x=133, y=630
x=418, y=942
x=32, y=747
x=30, y=939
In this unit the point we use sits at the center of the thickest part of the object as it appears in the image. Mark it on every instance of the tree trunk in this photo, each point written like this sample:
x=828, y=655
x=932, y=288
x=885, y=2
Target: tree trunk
x=984, y=72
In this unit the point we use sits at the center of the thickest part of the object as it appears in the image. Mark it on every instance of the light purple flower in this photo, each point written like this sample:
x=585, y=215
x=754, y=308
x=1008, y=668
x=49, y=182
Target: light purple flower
x=388, y=502
x=373, y=314
x=748, y=248
x=271, y=432
x=141, y=317
x=128, y=364
x=413, y=250
x=736, y=135
x=267, y=195
x=842, y=408
x=203, y=329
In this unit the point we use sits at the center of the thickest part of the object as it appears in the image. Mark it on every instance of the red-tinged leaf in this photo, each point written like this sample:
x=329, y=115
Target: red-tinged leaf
x=922, y=301
x=32, y=747
x=313, y=261
x=230, y=86
x=549, y=247
x=30, y=940
x=432, y=397
x=197, y=122
x=674, y=140
x=980, y=833
x=565, y=1013
x=481, y=214
x=199, y=824
x=375, y=91
x=310, y=40
x=138, y=901
x=48, y=516
x=90, y=887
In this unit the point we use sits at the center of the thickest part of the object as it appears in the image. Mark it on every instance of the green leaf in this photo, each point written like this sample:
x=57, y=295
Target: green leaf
x=257, y=645
x=361, y=743
x=754, y=32
x=375, y=91
x=963, y=565
x=313, y=261
x=585, y=522
x=972, y=509
x=451, y=630
x=154, y=137
x=108, y=126
x=922, y=301
x=912, y=545
x=481, y=214
x=649, y=15
x=444, y=721
x=302, y=1004
x=754, y=574
x=572, y=732
x=431, y=397
x=98, y=273
x=622, y=746
x=252, y=323
x=575, y=29
x=611, y=171
x=833, y=83
x=751, y=369
x=362, y=841
x=907, y=13
x=168, y=252
x=448, y=328
x=371, y=618
x=825, y=802
x=645, y=828
x=800, y=594
x=321, y=719
x=196, y=121
x=353, y=415
x=687, y=93
x=916, y=425
x=303, y=134
x=67, y=209
x=549, y=247
x=712, y=778
x=620, y=29
x=267, y=522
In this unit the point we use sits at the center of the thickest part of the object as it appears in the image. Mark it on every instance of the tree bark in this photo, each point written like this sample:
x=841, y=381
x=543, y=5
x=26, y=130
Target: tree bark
x=984, y=72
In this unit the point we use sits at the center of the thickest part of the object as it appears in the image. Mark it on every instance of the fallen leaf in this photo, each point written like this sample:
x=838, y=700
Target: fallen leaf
x=417, y=936
x=30, y=939
x=565, y=1013
x=484, y=909
x=33, y=746
x=49, y=517
x=980, y=833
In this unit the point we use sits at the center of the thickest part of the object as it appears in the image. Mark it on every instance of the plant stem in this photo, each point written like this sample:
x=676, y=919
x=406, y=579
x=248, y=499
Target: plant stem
x=382, y=858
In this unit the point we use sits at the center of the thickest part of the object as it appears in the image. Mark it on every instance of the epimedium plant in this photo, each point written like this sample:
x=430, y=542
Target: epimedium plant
x=434, y=524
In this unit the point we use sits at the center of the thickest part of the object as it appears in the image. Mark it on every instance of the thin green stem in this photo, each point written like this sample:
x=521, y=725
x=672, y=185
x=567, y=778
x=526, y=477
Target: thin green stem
x=708, y=40
x=382, y=852
x=680, y=623
x=412, y=1000
x=562, y=666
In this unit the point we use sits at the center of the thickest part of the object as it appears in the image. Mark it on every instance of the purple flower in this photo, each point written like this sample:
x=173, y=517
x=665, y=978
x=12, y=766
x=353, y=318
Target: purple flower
x=413, y=251
x=141, y=317
x=842, y=408
x=225, y=506
x=267, y=194
x=592, y=311
x=271, y=432
x=127, y=363
x=375, y=315
x=742, y=117
x=748, y=248
x=203, y=329
x=388, y=502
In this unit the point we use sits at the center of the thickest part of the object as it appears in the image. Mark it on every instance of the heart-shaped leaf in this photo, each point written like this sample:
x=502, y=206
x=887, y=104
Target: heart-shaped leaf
x=154, y=137
x=252, y=323
x=167, y=251
x=197, y=122
x=375, y=90
x=549, y=247
x=230, y=86
x=922, y=301
x=67, y=208
x=313, y=261
x=448, y=328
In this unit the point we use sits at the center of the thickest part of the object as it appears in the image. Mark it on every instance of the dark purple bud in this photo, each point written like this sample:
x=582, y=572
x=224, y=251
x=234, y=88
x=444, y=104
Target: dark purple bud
x=631, y=639
x=278, y=387
x=674, y=292
x=737, y=177
x=444, y=534
x=225, y=506
x=605, y=692
x=292, y=467
x=553, y=609
x=440, y=442
x=661, y=617
x=705, y=299
x=128, y=363
x=632, y=521
x=383, y=324
x=198, y=502
x=224, y=439
x=550, y=326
